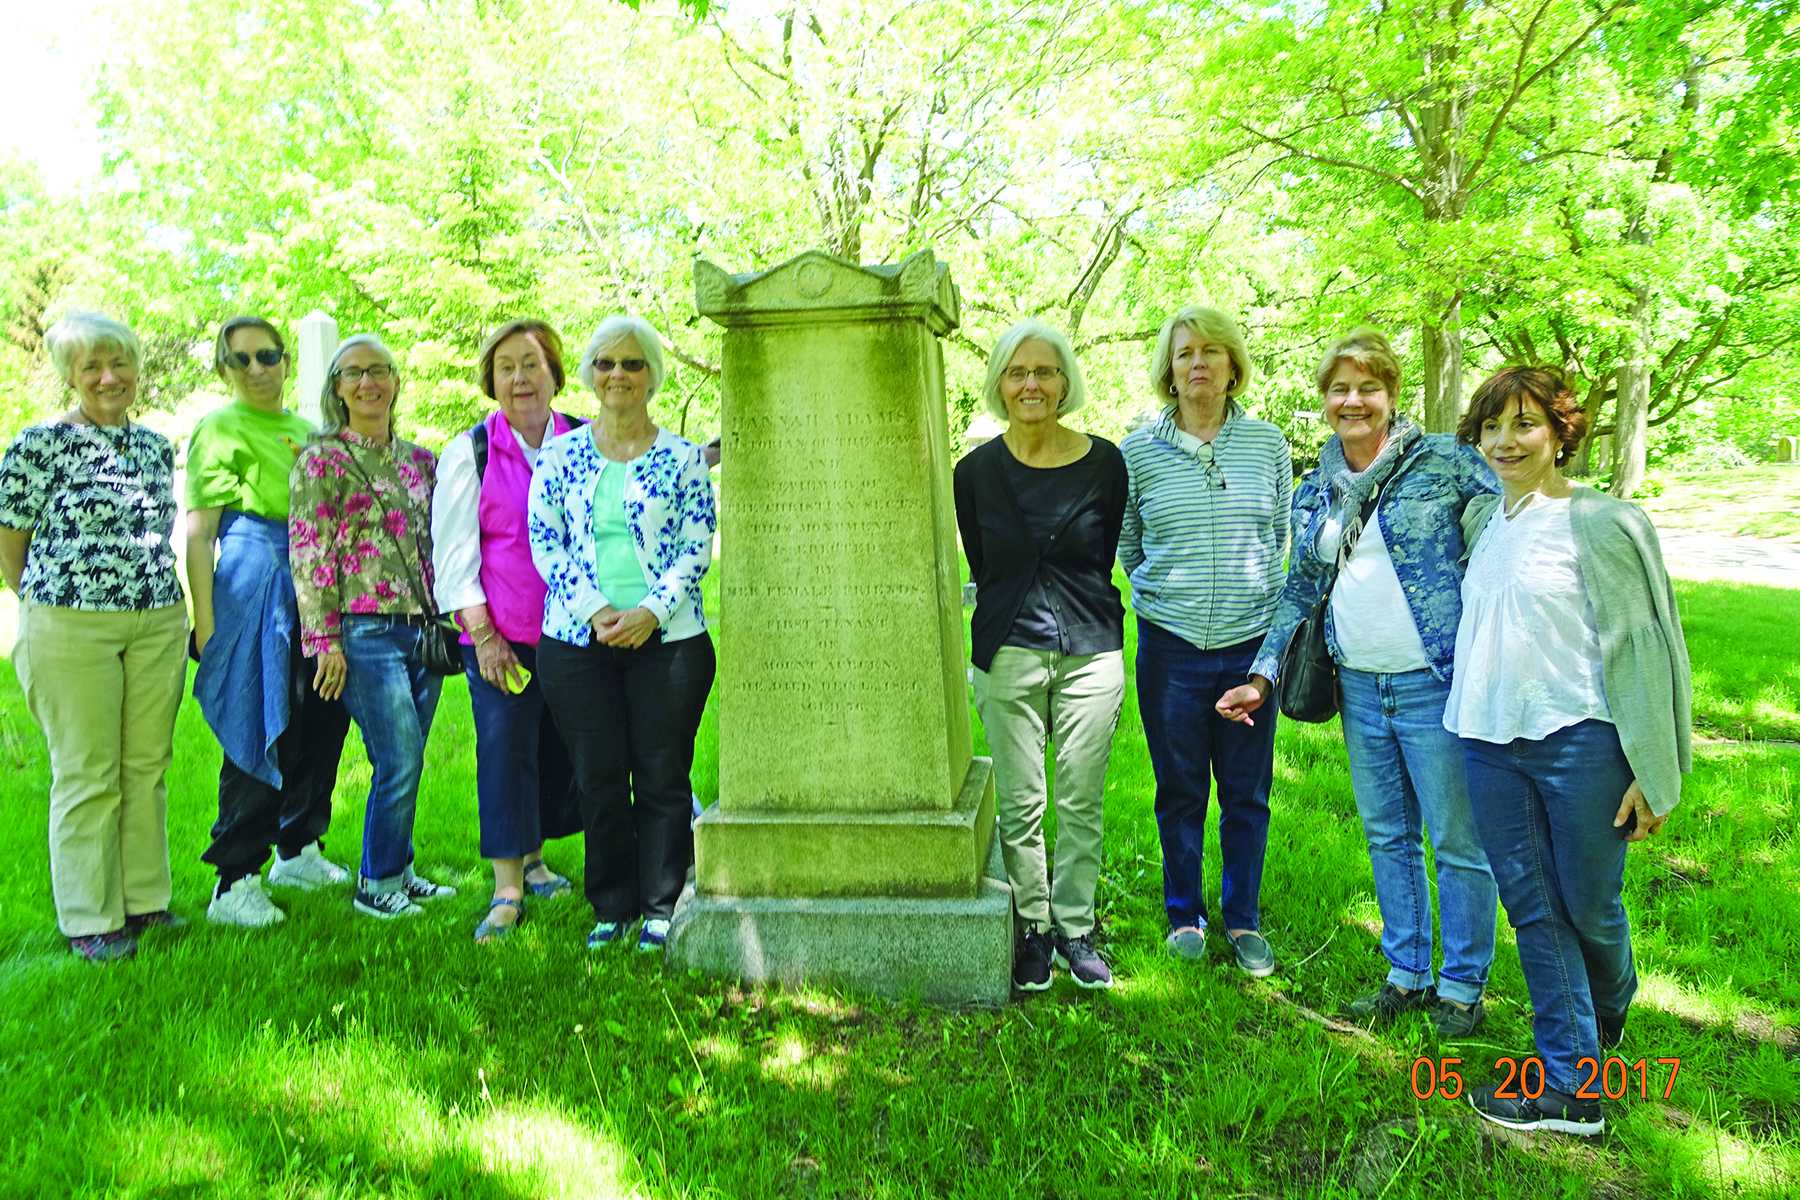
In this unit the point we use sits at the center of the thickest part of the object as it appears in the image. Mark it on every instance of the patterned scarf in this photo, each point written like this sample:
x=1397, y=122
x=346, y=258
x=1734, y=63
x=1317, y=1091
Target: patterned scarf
x=1349, y=490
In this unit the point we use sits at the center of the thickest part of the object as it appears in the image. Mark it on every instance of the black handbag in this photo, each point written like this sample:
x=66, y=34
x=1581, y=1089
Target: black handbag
x=439, y=651
x=1308, y=690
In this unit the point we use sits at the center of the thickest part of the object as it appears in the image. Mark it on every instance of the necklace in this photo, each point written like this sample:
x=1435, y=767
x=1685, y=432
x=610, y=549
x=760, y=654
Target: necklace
x=120, y=442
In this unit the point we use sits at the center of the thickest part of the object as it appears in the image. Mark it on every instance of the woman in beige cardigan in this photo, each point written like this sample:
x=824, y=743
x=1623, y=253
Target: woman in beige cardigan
x=1571, y=695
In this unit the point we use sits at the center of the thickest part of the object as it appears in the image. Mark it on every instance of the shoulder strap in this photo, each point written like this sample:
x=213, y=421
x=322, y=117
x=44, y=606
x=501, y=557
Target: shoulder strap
x=421, y=593
x=479, y=435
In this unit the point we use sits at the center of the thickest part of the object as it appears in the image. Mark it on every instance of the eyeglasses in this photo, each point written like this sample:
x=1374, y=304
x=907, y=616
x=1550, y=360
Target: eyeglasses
x=378, y=372
x=632, y=365
x=1213, y=473
x=268, y=356
x=1042, y=374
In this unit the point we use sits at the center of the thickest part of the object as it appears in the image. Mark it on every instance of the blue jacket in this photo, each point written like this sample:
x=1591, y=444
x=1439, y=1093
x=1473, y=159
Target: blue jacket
x=244, y=680
x=668, y=509
x=1420, y=511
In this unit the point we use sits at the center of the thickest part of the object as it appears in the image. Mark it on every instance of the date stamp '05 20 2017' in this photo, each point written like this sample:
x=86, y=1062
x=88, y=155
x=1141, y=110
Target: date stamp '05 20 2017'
x=1440, y=1078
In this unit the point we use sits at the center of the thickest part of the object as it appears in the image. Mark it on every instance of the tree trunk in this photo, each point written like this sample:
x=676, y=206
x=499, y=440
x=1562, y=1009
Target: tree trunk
x=1443, y=370
x=1631, y=429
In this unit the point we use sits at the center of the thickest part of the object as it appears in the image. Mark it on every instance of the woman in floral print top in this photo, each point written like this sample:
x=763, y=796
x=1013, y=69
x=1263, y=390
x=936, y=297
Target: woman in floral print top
x=359, y=529
x=621, y=524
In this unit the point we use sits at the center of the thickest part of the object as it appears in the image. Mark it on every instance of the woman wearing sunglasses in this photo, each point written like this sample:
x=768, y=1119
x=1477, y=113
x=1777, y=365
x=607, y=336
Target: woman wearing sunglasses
x=1395, y=583
x=621, y=527
x=1205, y=545
x=361, y=535
x=281, y=739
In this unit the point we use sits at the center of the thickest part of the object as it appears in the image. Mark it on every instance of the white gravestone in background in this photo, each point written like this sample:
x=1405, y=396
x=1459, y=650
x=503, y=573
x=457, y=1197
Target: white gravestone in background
x=318, y=342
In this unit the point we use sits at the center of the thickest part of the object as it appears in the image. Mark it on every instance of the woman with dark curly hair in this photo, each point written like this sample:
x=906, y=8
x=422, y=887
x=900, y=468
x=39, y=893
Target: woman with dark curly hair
x=1571, y=695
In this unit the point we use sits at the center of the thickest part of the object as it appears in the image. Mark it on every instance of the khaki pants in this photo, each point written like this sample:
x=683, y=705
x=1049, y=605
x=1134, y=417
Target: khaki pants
x=1028, y=698
x=104, y=687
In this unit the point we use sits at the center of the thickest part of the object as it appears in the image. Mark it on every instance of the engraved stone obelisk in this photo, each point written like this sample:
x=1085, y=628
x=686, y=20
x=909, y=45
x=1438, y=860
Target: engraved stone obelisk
x=853, y=836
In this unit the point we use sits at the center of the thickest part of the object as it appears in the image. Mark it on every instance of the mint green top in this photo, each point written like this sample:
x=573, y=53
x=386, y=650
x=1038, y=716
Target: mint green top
x=618, y=572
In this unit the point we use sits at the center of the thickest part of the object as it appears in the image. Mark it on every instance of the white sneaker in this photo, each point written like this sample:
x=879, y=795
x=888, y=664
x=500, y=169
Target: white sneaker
x=244, y=904
x=308, y=870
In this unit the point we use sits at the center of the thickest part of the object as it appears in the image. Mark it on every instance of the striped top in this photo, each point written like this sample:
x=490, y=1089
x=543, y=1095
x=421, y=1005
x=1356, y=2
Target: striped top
x=1205, y=543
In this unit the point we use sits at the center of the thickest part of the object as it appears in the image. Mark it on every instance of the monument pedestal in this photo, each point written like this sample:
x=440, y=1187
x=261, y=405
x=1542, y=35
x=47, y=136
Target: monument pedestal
x=942, y=951
x=853, y=841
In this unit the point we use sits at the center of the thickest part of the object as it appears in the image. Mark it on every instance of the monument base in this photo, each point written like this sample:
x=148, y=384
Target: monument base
x=943, y=951
x=842, y=855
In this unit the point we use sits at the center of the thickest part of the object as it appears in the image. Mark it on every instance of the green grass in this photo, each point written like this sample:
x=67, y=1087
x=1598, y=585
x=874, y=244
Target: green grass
x=1746, y=661
x=1752, y=502
x=337, y=1057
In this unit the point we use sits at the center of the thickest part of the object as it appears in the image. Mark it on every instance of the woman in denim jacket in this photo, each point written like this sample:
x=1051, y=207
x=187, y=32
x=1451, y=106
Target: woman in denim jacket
x=1405, y=768
x=621, y=526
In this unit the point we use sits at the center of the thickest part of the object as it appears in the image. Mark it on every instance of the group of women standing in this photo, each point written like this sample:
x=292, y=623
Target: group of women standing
x=1515, y=689
x=570, y=552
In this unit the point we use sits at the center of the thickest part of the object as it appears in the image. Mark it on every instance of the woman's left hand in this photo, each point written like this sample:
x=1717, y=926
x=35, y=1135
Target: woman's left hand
x=629, y=629
x=1648, y=822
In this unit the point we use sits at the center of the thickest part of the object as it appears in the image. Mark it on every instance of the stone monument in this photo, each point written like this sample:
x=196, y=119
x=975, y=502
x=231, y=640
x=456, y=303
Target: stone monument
x=318, y=342
x=853, y=838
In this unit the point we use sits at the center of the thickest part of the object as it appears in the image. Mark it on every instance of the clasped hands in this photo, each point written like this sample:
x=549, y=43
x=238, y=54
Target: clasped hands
x=627, y=630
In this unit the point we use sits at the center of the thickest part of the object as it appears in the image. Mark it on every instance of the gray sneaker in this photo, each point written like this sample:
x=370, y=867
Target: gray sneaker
x=1078, y=957
x=384, y=905
x=1253, y=954
x=1187, y=943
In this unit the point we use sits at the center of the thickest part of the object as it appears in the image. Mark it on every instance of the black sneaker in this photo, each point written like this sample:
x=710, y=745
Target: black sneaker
x=1452, y=1022
x=1612, y=1029
x=419, y=889
x=121, y=944
x=1031, y=961
x=385, y=905
x=1078, y=957
x=1554, y=1111
x=1387, y=1002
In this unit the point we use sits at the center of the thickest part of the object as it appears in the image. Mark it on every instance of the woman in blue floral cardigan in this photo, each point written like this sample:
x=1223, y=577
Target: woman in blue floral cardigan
x=621, y=527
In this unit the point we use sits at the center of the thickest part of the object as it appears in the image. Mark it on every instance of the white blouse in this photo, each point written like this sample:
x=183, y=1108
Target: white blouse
x=1528, y=648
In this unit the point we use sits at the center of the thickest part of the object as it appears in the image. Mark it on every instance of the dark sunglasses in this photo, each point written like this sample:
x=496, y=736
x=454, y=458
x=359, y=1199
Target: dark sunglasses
x=268, y=356
x=632, y=365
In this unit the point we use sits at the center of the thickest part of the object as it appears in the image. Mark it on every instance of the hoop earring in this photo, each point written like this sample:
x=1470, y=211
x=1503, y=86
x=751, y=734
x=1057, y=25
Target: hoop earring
x=1172, y=390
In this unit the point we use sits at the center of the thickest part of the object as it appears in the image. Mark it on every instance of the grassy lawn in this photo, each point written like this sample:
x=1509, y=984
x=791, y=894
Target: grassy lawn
x=1754, y=502
x=337, y=1057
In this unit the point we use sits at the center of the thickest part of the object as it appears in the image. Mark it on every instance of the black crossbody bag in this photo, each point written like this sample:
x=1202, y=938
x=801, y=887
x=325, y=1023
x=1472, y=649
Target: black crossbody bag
x=1308, y=690
x=439, y=651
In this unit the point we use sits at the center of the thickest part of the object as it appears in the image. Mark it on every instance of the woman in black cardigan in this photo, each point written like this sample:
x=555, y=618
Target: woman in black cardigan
x=1040, y=509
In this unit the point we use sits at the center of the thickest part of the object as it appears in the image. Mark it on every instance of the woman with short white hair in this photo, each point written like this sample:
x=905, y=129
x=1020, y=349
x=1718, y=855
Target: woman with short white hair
x=359, y=528
x=86, y=508
x=1205, y=545
x=1039, y=509
x=621, y=524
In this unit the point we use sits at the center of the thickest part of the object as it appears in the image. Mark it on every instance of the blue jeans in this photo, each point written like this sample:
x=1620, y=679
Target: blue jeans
x=1407, y=772
x=1545, y=811
x=392, y=698
x=1191, y=745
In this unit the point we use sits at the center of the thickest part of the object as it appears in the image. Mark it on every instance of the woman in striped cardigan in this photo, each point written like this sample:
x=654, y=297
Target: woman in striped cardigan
x=1205, y=545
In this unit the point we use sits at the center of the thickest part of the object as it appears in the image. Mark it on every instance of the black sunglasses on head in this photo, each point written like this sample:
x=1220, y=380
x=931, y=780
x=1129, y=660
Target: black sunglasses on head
x=268, y=356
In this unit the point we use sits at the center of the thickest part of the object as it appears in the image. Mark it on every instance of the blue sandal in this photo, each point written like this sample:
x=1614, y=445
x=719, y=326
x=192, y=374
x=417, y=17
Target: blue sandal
x=551, y=888
x=487, y=931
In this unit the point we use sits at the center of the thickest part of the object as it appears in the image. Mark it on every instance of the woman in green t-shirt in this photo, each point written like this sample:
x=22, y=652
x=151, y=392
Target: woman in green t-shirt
x=281, y=740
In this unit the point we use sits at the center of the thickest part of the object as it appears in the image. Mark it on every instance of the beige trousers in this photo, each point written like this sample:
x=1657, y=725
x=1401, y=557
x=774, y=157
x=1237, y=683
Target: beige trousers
x=1027, y=699
x=105, y=687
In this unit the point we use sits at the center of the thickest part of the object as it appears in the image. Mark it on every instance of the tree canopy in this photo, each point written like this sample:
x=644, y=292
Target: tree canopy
x=1605, y=185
